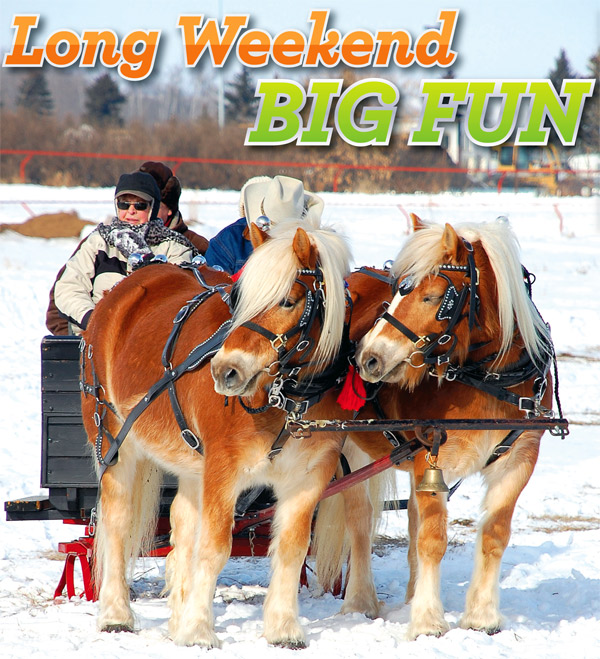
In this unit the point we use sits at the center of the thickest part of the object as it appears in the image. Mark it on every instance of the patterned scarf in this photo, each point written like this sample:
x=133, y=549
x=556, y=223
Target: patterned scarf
x=152, y=233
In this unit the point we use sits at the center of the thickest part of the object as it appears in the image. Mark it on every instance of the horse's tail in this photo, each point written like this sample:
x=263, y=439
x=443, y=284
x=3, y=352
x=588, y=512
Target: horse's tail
x=353, y=514
x=138, y=520
x=330, y=542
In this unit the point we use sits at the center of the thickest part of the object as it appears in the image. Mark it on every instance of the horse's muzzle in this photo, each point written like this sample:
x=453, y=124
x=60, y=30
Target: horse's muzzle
x=233, y=374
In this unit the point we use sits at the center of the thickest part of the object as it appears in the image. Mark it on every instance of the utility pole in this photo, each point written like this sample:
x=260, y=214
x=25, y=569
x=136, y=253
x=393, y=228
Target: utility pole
x=220, y=90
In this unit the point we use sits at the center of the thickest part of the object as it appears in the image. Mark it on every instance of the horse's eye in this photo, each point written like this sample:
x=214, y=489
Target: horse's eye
x=287, y=303
x=432, y=299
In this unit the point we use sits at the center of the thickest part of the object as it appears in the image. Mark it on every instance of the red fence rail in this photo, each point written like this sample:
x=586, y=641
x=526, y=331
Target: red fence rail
x=28, y=154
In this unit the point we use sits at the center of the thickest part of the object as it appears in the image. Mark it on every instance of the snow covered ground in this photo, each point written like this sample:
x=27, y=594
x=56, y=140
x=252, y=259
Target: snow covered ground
x=550, y=579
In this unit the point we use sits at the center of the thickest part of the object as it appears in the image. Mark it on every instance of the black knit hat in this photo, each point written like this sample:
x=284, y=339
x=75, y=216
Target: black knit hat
x=170, y=187
x=142, y=185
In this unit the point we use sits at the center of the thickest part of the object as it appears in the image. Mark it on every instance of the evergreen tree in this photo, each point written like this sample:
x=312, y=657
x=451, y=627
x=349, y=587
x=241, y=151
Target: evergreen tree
x=240, y=103
x=34, y=94
x=562, y=71
x=589, y=128
x=104, y=102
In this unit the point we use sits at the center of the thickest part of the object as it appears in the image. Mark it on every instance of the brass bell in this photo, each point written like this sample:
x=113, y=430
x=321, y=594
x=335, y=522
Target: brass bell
x=432, y=481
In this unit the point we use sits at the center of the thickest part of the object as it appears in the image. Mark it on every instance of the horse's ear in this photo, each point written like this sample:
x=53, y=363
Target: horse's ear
x=451, y=243
x=304, y=249
x=417, y=222
x=257, y=235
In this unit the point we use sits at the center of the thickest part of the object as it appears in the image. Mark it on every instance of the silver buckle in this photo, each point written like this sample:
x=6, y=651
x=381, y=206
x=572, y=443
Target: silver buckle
x=190, y=439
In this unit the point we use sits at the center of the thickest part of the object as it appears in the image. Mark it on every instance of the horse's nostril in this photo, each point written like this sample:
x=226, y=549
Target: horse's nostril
x=231, y=376
x=371, y=365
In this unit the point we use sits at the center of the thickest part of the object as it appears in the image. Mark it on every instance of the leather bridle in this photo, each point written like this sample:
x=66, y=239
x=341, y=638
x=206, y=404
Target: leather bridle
x=450, y=309
x=285, y=374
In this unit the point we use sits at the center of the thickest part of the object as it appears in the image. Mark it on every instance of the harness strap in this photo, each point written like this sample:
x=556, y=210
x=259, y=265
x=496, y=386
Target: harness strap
x=400, y=327
x=187, y=434
x=393, y=438
x=279, y=442
x=187, y=310
x=253, y=410
x=524, y=403
x=503, y=447
x=199, y=354
x=373, y=273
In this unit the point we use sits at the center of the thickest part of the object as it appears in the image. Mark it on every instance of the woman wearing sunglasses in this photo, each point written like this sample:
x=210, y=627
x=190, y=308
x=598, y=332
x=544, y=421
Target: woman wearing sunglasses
x=102, y=259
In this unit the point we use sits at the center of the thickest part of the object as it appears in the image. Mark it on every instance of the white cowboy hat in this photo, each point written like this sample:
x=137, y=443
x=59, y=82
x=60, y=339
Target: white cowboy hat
x=278, y=198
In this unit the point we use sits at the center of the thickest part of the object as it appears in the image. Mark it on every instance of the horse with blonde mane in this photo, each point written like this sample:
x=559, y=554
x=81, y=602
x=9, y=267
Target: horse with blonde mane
x=145, y=374
x=460, y=340
x=254, y=363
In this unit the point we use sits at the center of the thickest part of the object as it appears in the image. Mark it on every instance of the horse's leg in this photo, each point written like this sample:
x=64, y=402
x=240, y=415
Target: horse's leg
x=195, y=625
x=185, y=521
x=297, y=495
x=413, y=531
x=128, y=498
x=343, y=529
x=505, y=480
x=427, y=612
x=363, y=504
x=361, y=595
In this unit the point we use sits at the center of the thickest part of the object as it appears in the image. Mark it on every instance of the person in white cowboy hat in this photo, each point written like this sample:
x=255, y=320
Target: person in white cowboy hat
x=266, y=201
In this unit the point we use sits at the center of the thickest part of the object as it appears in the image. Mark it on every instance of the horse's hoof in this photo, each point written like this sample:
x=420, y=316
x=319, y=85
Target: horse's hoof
x=369, y=607
x=435, y=630
x=290, y=645
x=207, y=639
x=490, y=631
x=116, y=628
x=491, y=628
x=413, y=636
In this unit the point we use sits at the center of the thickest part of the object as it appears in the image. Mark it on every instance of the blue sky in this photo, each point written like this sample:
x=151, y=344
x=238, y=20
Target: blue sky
x=501, y=39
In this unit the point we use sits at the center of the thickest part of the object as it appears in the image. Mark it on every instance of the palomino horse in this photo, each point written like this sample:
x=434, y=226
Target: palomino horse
x=254, y=359
x=266, y=357
x=460, y=340
x=295, y=281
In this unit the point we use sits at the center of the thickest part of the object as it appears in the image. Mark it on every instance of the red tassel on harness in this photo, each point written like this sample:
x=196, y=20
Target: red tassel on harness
x=237, y=275
x=353, y=393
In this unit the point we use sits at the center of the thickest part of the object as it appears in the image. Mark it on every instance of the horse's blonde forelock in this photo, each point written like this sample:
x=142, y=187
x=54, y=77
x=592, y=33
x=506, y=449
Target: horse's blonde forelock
x=272, y=268
x=422, y=254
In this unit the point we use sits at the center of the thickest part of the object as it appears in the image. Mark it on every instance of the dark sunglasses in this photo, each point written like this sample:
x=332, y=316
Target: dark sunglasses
x=138, y=205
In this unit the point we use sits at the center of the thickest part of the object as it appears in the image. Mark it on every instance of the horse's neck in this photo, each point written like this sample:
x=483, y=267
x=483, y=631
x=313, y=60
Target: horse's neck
x=368, y=296
x=484, y=350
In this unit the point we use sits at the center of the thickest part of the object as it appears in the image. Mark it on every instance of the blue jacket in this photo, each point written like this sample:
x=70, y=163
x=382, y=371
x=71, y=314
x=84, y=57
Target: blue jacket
x=229, y=248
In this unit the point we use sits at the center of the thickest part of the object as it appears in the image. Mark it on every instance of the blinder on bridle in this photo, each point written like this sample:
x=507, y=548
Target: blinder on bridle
x=404, y=287
x=451, y=300
x=450, y=309
x=234, y=296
